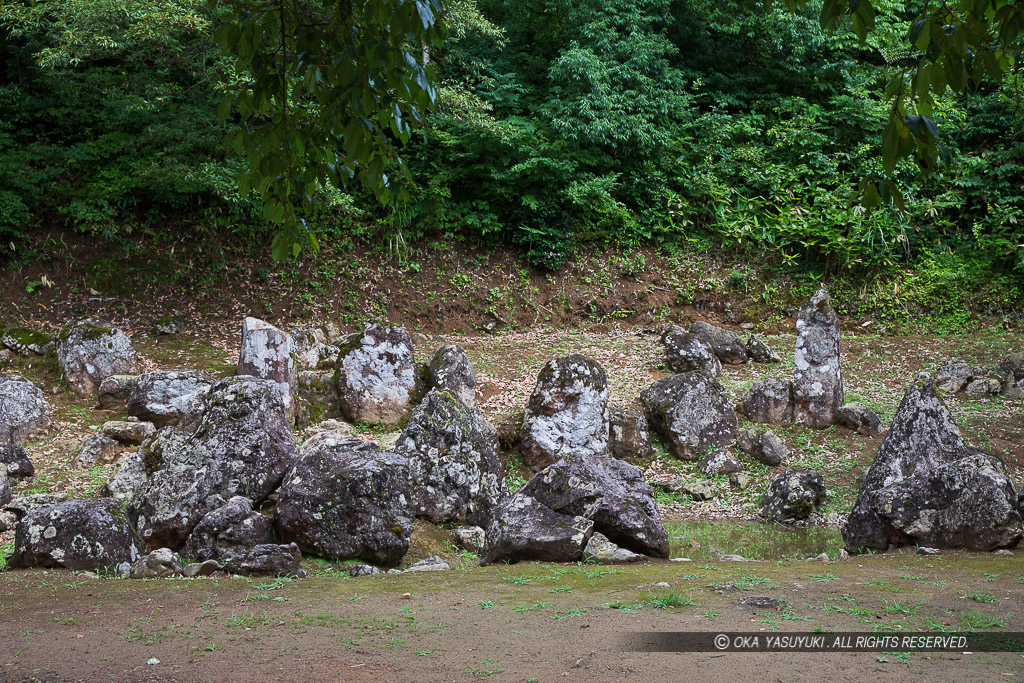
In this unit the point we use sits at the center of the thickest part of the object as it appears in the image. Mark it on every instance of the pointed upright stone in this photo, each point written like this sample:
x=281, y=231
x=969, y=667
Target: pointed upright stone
x=269, y=353
x=818, y=381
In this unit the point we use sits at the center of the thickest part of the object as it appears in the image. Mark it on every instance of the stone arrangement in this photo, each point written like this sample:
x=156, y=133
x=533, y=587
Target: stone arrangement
x=210, y=477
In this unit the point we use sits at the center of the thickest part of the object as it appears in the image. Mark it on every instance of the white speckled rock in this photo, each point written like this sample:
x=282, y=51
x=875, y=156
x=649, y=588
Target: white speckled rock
x=953, y=375
x=926, y=487
x=130, y=476
x=691, y=413
x=89, y=535
x=599, y=549
x=268, y=353
x=685, y=352
x=567, y=412
x=169, y=397
x=90, y=350
x=793, y=495
x=769, y=401
x=450, y=369
x=525, y=529
x=376, y=376
x=98, y=449
x=22, y=408
x=818, y=379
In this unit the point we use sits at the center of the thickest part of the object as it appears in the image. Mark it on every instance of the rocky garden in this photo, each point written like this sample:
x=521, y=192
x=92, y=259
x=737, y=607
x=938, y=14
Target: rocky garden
x=715, y=468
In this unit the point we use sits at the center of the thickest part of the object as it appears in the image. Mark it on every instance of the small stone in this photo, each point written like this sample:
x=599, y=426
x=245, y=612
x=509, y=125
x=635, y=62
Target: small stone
x=1003, y=552
x=470, y=538
x=407, y=596
x=733, y=558
x=661, y=584
x=760, y=352
x=925, y=550
x=698, y=490
x=680, y=559
x=98, y=450
x=128, y=432
x=363, y=570
x=761, y=602
x=152, y=661
x=842, y=555
x=601, y=550
x=718, y=463
x=200, y=568
x=740, y=480
x=431, y=564
x=158, y=564
x=818, y=558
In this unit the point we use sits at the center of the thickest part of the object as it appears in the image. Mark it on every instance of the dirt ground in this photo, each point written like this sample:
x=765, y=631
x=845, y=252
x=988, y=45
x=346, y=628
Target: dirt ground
x=527, y=622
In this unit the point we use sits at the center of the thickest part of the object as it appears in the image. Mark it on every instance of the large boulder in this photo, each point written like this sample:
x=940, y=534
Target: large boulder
x=130, y=476
x=629, y=437
x=926, y=486
x=525, y=529
x=169, y=397
x=450, y=369
x=609, y=492
x=567, y=412
x=691, y=413
x=793, y=496
x=348, y=499
x=685, y=352
x=90, y=350
x=269, y=353
x=765, y=447
x=230, y=530
x=159, y=564
x=128, y=432
x=453, y=461
x=242, y=447
x=718, y=463
x=14, y=461
x=818, y=379
x=5, y=488
x=953, y=376
x=769, y=401
x=376, y=376
x=98, y=449
x=93, y=535
x=311, y=349
x=727, y=345
x=23, y=409
x=267, y=559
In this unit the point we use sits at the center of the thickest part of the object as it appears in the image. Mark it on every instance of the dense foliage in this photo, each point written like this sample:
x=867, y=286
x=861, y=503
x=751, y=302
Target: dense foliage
x=678, y=122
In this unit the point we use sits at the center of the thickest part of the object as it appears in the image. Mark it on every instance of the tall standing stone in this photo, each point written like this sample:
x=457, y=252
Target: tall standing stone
x=269, y=353
x=376, y=376
x=818, y=381
x=567, y=412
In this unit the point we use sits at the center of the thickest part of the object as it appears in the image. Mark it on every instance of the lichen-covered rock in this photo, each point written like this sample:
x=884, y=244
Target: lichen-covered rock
x=1012, y=366
x=23, y=409
x=269, y=353
x=159, y=564
x=168, y=397
x=793, y=496
x=717, y=463
x=685, y=352
x=311, y=349
x=348, y=499
x=267, y=559
x=316, y=397
x=769, y=401
x=727, y=345
x=691, y=413
x=980, y=387
x=525, y=529
x=229, y=530
x=759, y=351
x=450, y=369
x=376, y=376
x=25, y=341
x=14, y=461
x=859, y=418
x=453, y=461
x=92, y=535
x=470, y=538
x=26, y=504
x=90, y=350
x=128, y=479
x=242, y=447
x=128, y=432
x=430, y=564
x=609, y=492
x=926, y=486
x=115, y=391
x=765, y=447
x=5, y=488
x=599, y=549
x=567, y=412
x=629, y=437
x=176, y=323
x=818, y=379
x=98, y=449
x=953, y=375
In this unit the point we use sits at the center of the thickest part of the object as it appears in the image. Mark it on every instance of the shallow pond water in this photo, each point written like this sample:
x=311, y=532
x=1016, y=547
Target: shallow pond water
x=753, y=540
